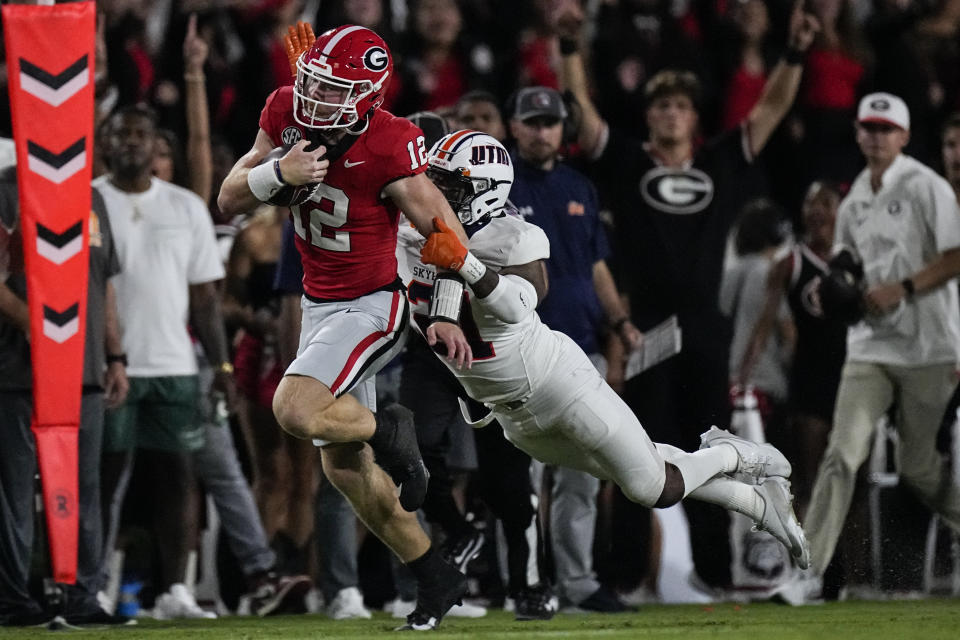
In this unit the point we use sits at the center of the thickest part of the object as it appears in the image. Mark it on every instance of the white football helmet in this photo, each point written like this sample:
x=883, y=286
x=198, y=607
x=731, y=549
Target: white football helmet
x=473, y=171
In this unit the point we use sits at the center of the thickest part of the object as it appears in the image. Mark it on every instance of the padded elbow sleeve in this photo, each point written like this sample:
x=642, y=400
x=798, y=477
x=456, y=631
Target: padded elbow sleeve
x=513, y=299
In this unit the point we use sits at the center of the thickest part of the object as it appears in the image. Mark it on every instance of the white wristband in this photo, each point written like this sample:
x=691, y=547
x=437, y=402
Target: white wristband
x=263, y=181
x=447, y=298
x=472, y=269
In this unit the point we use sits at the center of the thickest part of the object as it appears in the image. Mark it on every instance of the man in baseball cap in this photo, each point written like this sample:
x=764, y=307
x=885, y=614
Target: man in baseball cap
x=542, y=102
x=537, y=125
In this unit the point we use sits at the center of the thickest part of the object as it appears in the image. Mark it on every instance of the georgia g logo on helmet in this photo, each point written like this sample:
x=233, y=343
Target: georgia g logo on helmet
x=376, y=59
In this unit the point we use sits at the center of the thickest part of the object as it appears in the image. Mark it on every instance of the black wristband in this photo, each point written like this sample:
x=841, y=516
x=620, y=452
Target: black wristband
x=793, y=56
x=117, y=357
x=276, y=169
x=568, y=46
x=909, y=287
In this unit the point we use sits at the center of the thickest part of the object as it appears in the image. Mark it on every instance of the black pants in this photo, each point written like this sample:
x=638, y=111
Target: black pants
x=504, y=483
x=676, y=401
x=18, y=466
x=430, y=391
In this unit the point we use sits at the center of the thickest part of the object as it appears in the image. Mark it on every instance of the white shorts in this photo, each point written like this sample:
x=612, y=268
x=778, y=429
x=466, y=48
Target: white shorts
x=574, y=419
x=345, y=344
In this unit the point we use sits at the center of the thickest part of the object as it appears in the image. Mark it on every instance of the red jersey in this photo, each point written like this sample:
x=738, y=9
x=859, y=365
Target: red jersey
x=347, y=233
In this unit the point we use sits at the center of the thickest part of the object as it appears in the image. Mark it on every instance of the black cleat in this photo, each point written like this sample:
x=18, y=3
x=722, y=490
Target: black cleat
x=435, y=598
x=25, y=618
x=98, y=617
x=604, y=600
x=419, y=621
x=534, y=603
x=461, y=550
x=395, y=446
x=276, y=594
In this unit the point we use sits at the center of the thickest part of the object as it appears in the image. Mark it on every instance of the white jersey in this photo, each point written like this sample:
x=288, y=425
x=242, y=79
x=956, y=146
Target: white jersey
x=509, y=360
x=550, y=399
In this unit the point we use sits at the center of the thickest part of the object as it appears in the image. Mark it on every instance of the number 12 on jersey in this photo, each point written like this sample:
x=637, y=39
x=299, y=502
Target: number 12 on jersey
x=329, y=208
x=418, y=152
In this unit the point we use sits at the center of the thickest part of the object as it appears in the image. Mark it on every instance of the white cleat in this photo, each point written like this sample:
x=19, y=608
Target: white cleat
x=400, y=608
x=466, y=610
x=780, y=521
x=802, y=589
x=757, y=461
x=348, y=605
x=179, y=603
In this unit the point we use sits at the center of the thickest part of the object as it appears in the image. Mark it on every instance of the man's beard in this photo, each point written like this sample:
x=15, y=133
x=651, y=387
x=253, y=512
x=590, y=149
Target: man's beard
x=129, y=170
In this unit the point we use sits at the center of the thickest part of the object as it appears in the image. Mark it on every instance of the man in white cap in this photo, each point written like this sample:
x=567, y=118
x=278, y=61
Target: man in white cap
x=902, y=223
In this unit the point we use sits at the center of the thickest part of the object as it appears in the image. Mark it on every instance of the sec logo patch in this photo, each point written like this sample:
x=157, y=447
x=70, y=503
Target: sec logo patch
x=291, y=136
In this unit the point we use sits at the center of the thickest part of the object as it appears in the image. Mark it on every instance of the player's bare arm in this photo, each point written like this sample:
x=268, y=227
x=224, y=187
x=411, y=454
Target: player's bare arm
x=421, y=202
x=297, y=167
x=781, y=88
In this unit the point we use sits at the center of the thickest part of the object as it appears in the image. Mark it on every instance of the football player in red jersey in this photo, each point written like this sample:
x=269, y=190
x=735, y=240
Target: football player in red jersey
x=367, y=165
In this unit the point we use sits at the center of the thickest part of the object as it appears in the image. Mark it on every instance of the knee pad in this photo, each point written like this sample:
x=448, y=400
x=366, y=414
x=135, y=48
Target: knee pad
x=643, y=486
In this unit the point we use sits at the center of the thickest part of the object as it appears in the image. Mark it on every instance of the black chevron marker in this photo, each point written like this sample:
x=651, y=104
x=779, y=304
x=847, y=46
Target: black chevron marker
x=59, y=240
x=56, y=160
x=61, y=318
x=51, y=80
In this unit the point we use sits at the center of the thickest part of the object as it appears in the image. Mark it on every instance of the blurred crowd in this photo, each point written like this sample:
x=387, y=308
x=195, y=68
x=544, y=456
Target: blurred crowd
x=184, y=81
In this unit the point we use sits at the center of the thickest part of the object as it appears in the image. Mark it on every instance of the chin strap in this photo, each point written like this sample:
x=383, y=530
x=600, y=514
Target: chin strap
x=334, y=149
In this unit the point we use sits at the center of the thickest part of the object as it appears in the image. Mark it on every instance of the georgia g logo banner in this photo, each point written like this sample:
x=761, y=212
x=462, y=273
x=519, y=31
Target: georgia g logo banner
x=50, y=53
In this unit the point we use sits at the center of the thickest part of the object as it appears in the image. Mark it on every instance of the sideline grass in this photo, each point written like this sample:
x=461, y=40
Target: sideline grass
x=895, y=620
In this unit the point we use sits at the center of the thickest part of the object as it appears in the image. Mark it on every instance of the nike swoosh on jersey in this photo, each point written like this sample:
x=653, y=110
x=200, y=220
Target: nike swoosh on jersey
x=347, y=164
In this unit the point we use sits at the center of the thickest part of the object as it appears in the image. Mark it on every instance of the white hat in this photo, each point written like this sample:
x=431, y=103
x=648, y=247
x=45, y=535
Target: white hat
x=886, y=108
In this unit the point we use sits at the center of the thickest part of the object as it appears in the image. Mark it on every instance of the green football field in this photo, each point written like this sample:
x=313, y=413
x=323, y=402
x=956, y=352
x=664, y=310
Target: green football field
x=927, y=619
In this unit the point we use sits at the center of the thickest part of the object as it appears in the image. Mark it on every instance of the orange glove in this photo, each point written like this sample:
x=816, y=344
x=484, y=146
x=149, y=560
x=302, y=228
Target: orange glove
x=443, y=248
x=299, y=38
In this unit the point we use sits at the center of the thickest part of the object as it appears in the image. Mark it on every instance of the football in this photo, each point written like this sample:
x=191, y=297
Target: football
x=841, y=290
x=288, y=195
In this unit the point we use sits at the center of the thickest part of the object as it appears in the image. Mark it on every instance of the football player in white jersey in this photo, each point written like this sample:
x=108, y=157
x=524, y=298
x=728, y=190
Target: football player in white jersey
x=538, y=383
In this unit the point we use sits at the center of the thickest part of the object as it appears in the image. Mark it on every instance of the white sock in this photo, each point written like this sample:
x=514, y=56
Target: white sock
x=732, y=495
x=698, y=467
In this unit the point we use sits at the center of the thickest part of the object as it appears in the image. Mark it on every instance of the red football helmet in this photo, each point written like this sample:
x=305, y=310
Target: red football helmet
x=341, y=78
